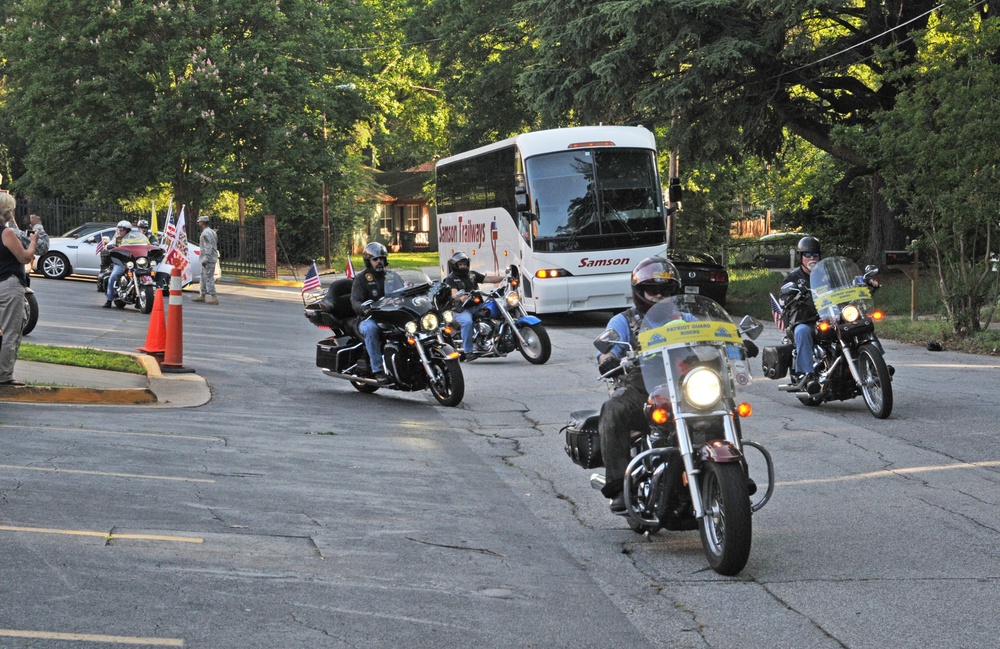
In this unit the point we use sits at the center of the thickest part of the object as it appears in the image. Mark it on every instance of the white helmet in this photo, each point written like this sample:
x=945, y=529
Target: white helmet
x=125, y=224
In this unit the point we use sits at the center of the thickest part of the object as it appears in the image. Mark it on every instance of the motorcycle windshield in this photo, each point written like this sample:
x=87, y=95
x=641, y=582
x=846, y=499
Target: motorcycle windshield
x=406, y=280
x=681, y=337
x=837, y=283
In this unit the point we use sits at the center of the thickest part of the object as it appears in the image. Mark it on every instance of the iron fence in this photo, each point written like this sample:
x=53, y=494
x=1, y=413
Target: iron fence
x=242, y=248
x=59, y=216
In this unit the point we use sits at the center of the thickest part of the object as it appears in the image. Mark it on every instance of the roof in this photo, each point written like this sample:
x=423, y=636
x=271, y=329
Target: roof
x=403, y=185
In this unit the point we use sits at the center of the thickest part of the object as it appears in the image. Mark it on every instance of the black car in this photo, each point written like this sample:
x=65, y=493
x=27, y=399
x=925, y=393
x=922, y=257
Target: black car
x=701, y=274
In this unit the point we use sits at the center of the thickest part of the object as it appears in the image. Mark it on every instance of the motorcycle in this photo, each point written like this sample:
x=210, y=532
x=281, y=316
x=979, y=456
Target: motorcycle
x=415, y=325
x=500, y=324
x=847, y=355
x=688, y=469
x=139, y=283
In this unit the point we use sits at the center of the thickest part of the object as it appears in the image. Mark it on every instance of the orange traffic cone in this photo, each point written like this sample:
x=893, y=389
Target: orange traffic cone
x=173, y=355
x=156, y=334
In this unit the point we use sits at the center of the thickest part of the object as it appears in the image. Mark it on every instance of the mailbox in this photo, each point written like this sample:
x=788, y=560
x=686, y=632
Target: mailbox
x=898, y=257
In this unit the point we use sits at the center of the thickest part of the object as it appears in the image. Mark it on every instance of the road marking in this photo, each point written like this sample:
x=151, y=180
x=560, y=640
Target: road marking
x=885, y=473
x=109, y=536
x=116, y=432
x=104, y=473
x=88, y=637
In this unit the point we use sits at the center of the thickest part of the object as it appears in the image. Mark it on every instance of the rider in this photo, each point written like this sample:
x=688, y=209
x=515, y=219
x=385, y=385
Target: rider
x=124, y=236
x=800, y=314
x=653, y=279
x=463, y=281
x=369, y=286
x=143, y=226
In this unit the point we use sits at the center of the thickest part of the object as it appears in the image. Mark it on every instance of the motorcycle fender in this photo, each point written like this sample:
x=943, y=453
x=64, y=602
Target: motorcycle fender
x=527, y=320
x=720, y=452
x=444, y=351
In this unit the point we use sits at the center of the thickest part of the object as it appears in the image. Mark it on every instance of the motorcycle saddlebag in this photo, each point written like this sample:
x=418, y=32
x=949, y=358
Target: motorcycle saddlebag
x=583, y=444
x=776, y=361
x=326, y=353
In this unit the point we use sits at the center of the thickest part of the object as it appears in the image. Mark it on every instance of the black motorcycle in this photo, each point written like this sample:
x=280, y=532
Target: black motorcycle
x=847, y=355
x=501, y=326
x=415, y=325
x=139, y=283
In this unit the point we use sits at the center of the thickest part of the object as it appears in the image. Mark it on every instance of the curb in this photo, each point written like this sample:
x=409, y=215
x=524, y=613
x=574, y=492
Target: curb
x=56, y=394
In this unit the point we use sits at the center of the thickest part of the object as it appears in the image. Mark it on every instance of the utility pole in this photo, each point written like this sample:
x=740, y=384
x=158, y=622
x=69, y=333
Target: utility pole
x=326, y=212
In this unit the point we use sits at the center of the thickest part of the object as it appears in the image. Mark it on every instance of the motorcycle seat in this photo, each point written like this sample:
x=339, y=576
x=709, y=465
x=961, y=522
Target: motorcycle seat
x=337, y=301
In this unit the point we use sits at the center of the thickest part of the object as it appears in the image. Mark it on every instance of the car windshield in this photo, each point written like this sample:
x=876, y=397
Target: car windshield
x=596, y=199
x=84, y=230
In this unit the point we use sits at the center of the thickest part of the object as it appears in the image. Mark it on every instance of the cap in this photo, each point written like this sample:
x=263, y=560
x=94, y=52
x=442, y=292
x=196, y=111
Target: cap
x=203, y=219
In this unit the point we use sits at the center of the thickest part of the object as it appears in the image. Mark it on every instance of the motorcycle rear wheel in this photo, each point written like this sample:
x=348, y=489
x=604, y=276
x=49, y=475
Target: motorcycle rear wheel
x=726, y=529
x=876, y=386
x=448, y=385
x=30, y=313
x=537, y=347
x=144, y=301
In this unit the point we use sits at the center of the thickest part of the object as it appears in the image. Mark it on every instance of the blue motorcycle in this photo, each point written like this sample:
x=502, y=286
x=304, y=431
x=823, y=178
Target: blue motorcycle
x=500, y=325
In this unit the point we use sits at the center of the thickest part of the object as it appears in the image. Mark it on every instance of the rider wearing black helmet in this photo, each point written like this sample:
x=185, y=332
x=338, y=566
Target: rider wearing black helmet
x=799, y=312
x=369, y=286
x=653, y=279
x=462, y=281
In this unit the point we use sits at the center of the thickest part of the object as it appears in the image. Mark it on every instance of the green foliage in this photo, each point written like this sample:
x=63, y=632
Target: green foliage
x=938, y=146
x=80, y=357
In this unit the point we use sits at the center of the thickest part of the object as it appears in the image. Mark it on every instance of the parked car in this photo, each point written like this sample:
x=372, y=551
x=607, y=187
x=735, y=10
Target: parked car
x=86, y=228
x=701, y=274
x=77, y=255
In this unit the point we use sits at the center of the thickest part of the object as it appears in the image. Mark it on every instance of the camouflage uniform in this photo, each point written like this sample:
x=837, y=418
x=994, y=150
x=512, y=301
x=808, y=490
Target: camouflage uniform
x=209, y=244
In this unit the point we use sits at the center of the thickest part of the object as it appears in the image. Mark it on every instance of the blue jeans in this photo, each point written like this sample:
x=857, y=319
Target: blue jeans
x=373, y=343
x=116, y=272
x=464, y=319
x=803, y=348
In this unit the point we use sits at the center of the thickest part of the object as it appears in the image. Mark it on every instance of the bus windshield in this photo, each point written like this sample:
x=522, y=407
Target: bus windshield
x=595, y=199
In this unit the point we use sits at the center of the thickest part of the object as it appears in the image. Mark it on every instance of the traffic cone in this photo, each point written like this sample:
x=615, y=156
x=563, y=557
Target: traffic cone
x=156, y=334
x=173, y=355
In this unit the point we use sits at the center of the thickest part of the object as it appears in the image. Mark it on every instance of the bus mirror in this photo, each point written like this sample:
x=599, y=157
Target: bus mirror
x=674, y=190
x=521, y=199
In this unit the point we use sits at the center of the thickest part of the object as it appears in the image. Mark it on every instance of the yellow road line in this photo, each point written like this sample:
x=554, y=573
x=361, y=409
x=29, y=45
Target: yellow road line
x=104, y=473
x=88, y=637
x=104, y=535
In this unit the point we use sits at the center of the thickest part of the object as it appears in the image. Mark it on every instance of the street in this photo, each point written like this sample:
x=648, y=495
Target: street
x=294, y=511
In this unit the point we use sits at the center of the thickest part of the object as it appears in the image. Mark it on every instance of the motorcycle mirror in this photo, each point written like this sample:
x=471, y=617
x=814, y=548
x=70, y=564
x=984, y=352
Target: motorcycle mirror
x=871, y=270
x=514, y=274
x=607, y=341
x=750, y=327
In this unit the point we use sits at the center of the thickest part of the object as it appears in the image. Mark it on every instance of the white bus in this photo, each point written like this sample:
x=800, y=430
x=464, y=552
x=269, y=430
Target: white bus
x=575, y=209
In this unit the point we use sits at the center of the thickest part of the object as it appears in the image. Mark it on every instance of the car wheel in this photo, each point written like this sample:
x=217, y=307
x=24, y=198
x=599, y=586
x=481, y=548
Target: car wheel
x=54, y=266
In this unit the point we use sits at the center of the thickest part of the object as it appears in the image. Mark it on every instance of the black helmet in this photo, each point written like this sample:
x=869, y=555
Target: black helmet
x=456, y=259
x=374, y=250
x=808, y=244
x=143, y=223
x=653, y=272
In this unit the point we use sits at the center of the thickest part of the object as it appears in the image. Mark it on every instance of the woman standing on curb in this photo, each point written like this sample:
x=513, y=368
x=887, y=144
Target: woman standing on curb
x=13, y=257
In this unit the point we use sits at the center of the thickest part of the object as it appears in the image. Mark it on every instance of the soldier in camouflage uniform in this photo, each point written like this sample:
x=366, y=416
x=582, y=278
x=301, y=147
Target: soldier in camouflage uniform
x=209, y=244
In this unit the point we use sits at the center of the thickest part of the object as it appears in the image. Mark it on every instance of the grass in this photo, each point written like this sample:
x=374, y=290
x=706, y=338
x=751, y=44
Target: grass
x=748, y=295
x=80, y=357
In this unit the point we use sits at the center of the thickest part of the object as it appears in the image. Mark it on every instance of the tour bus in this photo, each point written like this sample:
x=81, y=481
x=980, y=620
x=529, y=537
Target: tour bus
x=574, y=209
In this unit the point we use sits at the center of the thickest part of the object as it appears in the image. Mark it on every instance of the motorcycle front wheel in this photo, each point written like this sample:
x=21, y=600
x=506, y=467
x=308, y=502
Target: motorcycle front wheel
x=875, y=382
x=448, y=384
x=536, y=348
x=726, y=529
x=145, y=299
x=30, y=313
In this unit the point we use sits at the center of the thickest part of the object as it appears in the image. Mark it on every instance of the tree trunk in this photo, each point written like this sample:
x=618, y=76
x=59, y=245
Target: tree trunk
x=885, y=232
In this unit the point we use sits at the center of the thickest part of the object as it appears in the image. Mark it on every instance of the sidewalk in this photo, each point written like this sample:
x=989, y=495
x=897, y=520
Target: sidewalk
x=64, y=384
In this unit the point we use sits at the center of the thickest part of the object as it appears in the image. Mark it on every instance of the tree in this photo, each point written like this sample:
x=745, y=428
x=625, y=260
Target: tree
x=728, y=79
x=116, y=97
x=938, y=147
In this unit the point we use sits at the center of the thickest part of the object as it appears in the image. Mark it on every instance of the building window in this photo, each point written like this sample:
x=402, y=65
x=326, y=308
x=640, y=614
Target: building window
x=385, y=221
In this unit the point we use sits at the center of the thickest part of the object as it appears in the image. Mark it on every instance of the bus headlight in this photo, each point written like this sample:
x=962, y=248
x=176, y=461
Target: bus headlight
x=448, y=316
x=513, y=299
x=410, y=327
x=429, y=322
x=702, y=388
x=547, y=273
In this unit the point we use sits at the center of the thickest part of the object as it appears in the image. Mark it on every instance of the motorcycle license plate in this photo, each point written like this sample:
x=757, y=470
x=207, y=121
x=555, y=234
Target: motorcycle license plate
x=692, y=289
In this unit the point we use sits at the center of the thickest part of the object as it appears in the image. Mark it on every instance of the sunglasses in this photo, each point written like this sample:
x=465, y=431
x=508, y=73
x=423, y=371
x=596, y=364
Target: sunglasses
x=658, y=289
x=810, y=255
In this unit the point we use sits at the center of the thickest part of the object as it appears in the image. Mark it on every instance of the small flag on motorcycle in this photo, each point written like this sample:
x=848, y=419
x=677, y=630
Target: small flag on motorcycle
x=349, y=270
x=102, y=244
x=776, y=311
x=311, y=282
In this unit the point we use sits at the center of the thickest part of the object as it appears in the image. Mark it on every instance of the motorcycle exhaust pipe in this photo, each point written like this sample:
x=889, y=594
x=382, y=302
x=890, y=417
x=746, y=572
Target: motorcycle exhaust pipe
x=597, y=481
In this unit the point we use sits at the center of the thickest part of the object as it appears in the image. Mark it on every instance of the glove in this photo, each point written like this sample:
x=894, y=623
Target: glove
x=752, y=349
x=609, y=364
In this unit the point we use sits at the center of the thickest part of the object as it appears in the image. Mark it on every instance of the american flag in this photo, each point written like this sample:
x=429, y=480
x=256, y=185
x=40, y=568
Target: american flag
x=311, y=282
x=776, y=312
x=102, y=244
x=349, y=271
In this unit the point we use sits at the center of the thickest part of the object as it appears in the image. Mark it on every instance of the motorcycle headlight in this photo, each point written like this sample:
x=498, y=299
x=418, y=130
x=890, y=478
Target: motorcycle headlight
x=411, y=327
x=429, y=322
x=702, y=388
x=513, y=298
x=449, y=316
x=129, y=264
x=851, y=313
x=141, y=262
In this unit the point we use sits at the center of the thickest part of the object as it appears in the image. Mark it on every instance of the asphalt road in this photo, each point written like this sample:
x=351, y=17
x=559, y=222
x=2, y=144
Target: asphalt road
x=293, y=511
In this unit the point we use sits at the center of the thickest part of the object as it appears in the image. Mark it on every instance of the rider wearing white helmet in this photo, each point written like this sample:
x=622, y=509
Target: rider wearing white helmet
x=125, y=236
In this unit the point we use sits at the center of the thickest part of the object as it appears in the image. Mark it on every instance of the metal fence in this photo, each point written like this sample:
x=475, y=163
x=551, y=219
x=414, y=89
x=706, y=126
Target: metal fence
x=242, y=249
x=59, y=216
